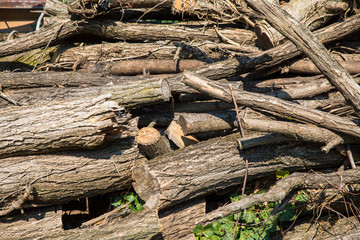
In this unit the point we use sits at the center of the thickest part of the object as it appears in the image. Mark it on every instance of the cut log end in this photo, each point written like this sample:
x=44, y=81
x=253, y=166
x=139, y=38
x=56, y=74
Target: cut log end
x=165, y=89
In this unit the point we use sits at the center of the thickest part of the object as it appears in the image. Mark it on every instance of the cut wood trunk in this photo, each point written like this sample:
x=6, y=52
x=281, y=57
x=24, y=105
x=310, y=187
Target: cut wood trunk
x=313, y=14
x=83, y=123
x=119, y=31
x=32, y=224
x=201, y=168
x=71, y=175
x=207, y=122
x=152, y=143
x=274, y=105
x=126, y=94
x=154, y=66
x=307, y=43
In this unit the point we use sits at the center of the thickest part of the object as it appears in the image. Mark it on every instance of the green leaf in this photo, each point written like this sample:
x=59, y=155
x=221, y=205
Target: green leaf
x=248, y=216
x=280, y=174
x=198, y=231
x=208, y=233
x=287, y=215
x=215, y=237
x=227, y=236
x=130, y=198
x=302, y=196
x=264, y=214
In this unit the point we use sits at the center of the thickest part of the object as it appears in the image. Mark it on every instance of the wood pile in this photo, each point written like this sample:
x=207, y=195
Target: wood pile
x=107, y=95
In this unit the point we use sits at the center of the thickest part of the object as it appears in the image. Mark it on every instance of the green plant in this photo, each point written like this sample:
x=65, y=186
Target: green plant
x=254, y=223
x=135, y=202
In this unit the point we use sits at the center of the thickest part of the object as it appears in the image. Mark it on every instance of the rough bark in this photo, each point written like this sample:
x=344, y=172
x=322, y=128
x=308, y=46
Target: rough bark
x=201, y=168
x=295, y=181
x=307, y=43
x=274, y=105
x=32, y=224
x=113, y=30
x=207, y=122
x=141, y=225
x=179, y=221
x=83, y=123
x=69, y=175
x=147, y=91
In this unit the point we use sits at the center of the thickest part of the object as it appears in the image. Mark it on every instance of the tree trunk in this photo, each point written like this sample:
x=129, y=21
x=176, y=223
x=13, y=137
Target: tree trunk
x=70, y=175
x=32, y=224
x=216, y=164
x=83, y=123
x=147, y=91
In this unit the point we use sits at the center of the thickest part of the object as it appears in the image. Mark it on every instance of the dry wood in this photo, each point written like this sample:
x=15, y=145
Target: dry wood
x=298, y=132
x=32, y=223
x=207, y=122
x=308, y=44
x=305, y=66
x=116, y=30
x=284, y=187
x=152, y=143
x=313, y=14
x=274, y=56
x=179, y=221
x=177, y=136
x=69, y=175
x=141, y=225
x=153, y=66
x=274, y=105
x=83, y=123
x=128, y=93
x=201, y=168
x=260, y=140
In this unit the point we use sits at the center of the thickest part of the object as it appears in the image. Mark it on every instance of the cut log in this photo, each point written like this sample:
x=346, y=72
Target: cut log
x=152, y=143
x=146, y=223
x=274, y=105
x=83, y=123
x=179, y=221
x=120, y=31
x=68, y=176
x=207, y=122
x=127, y=94
x=154, y=66
x=32, y=223
x=308, y=44
x=216, y=164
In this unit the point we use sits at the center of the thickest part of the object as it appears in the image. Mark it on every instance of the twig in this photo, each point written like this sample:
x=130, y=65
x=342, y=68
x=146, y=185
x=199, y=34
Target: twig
x=9, y=99
x=246, y=160
x=350, y=156
x=19, y=202
x=151, y=10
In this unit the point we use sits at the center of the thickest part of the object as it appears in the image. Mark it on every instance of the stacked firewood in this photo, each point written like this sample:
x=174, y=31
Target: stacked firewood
x=108, y=95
